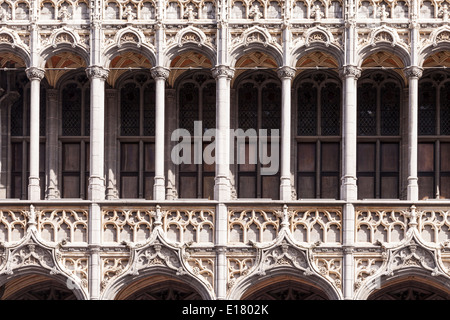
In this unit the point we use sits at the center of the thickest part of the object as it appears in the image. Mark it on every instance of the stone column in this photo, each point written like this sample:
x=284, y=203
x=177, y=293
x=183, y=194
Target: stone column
x=97, y=76
x=350, y=75
x=349, y=190
x=160, y=74
x=52, y=145
x=222, y=187
x=413, y=74
x=35, y=75
x=285, y=74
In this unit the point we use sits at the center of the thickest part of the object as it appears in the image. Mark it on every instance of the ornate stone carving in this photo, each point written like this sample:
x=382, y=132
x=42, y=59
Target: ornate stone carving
x=413, y=72
x=223, y=71
x=160, y=73
x=317, y=13
x=97, y=72
x=6, y=38
x=350, y=71
x=4, y=15
x=412, y=255
x=286, y=72
x=35, y=73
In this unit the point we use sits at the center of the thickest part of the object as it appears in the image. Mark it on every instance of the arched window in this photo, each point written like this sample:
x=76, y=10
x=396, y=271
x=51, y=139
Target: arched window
x=196, y=114
x=434, y=135
x=137, y=136
x=20, y=137
x=378, y=154
x=75, y=127
x=258, y=112
x=318, y=135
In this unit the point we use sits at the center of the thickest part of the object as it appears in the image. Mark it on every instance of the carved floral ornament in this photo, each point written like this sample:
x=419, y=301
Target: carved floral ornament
x=223, y=71
x=156, y=252
x=411, y=253
x=97, y=72
x=35, y=73
x=285, y=252
x=33, y=252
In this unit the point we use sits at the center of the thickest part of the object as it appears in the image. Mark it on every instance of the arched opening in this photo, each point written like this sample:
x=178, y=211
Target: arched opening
x=70, y=99
x=410, y=288
x=130, y=124
x=380, y=135
x=318, y=126
x=35, y=287
x=192, y=111
x=158, y=287
x=258, y=118
x=434, y=128
x=16, y=95
x=285, y=288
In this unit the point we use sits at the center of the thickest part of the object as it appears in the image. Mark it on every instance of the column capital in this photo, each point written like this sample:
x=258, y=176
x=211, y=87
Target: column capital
x=35, y=73
x=286, y=72
x=222, y=71
x=350, y=71
x=160, y=72
x=97, y=72
x=413, y=72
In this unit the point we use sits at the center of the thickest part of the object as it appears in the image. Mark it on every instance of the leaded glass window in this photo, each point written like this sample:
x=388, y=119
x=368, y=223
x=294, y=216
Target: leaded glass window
x=433, y=162
x=136, y=135
x=378, y=149
x=259, y=107
x=318, y=135
x=75, y=131
x=20, y=132
x=196, y=107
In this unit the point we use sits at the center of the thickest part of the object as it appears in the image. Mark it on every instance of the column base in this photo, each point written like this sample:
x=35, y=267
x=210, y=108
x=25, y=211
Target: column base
x=222, y=189
x=34, y=189
x=349, y=189
x=159, y=189
x=286, y=189
x=96, y=189
x=413, y=189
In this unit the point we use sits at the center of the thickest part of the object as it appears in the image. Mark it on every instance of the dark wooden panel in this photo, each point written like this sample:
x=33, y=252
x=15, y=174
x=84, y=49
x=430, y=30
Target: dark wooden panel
x=71, y=157
x=366, y=187
x=445, y=157
x=426, y=187
x=247, y=187
x=389, y=157
x=208, y=187
x=149, y=182
x=129, y=187
x=251, y=156
x=425, y=157
x=149, y=157
x=306, y=187
x=389, y=187
x=366, y=157
x=330, y=157
x=188, y=187
x=271, y=187
x=129, y=161
x=71, y=186
x=306, y=155
x=330, y=187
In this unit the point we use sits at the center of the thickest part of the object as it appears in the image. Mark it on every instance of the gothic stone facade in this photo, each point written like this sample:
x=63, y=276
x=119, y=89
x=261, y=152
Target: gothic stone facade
x=93, y=207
